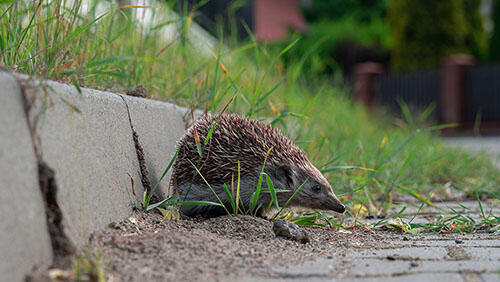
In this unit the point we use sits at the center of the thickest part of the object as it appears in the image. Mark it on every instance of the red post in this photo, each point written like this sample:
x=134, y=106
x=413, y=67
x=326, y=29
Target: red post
x=453, y=88
x=364, y=79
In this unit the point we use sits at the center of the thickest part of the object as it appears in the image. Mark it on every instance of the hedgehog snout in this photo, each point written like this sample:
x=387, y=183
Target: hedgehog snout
x=332, y=203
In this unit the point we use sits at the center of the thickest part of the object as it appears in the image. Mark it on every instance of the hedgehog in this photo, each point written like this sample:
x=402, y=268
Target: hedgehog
x=236, y=139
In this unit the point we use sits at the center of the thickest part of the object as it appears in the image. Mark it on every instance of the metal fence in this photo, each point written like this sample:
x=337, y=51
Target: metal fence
x=417, y=89
x=421, y=88
x=482, y=93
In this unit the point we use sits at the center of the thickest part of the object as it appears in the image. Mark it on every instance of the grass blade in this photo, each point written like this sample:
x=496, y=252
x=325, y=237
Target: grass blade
x=287, y=202
x=216, y=73
x=480, y=206
x=210, y=187
x=210, y=133
x=161, y=178
x=288, y=47
x=403, y=167
x=173, y=198
x=194, y=203
x=344, y=167
x=75, y=83
x=238, y=188
x=197, y=142
x=406, y=112
x=230, y=197
x=256, y=194
x=270, y=186
x=420, y=208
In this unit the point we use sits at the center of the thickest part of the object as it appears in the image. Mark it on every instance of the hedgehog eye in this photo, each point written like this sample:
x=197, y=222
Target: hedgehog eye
x=316, y=188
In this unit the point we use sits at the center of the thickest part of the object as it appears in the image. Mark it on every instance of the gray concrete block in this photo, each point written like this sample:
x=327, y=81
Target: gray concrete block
x=403, y=253
x=159, y=126
x=491, y=277
x=484, y=253
x=87, y=140
x=376, y=267
x=24, y=240
x=275, y=279
x=458, y=266
x=425, y=277
x=308, y=269
x=463, y=242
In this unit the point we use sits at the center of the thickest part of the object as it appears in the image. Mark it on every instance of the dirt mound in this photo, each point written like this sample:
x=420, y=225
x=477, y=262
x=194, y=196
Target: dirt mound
x=146, y=247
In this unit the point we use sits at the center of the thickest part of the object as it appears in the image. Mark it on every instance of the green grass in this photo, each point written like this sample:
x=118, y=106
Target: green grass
x=370, y=158
x=89, y=266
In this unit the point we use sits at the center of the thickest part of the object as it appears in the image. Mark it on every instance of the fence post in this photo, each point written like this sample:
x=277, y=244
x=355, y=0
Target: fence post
x=364, y=80
x=453, y=89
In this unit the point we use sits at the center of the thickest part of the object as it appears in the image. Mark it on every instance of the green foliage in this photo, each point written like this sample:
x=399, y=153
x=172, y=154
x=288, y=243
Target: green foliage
x=424, y=32
x=361, y=10
x=475, y=40
x=336, y=26
x=494, y=53
x=315, y=50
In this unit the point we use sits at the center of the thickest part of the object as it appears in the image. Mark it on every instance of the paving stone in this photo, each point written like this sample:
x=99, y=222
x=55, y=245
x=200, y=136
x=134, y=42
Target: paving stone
x=378, y=267
x=454, y=236
x=457, y=253
x=24, y=240
x=491, y=277
x=427, y=277
x=484, y=253
x=446, y=243
x=317, y=268
x=267, y=279
x=371, y=267
x=454, y=266
x=403, y=253
x=471, y=277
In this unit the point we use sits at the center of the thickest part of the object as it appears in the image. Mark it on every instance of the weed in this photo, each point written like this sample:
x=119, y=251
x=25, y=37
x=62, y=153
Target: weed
x=89, y=267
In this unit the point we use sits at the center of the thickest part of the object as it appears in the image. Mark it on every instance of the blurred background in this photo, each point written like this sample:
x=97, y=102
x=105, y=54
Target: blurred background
x=415, y=69
x=436, y=57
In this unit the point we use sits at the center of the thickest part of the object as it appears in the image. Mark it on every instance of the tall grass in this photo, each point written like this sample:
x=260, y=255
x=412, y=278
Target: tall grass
x=368, y=157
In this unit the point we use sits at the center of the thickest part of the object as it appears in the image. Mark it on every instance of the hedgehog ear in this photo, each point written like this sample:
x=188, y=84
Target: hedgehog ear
x=285, y=173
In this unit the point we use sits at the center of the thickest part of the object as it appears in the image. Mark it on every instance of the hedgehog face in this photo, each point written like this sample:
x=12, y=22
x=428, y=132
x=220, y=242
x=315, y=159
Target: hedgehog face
x=320, y=196
x=316, y=193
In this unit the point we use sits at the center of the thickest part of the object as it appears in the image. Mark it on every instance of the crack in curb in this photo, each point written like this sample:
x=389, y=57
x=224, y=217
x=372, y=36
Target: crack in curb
x=140, y=155
x=62, y=247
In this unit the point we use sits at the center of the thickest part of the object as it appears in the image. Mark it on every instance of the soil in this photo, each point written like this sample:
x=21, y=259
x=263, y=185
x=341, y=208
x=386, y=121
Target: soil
x=147, y=247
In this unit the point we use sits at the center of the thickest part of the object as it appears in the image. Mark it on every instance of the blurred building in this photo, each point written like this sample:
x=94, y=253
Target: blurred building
x=269, y=20
x=273, y=19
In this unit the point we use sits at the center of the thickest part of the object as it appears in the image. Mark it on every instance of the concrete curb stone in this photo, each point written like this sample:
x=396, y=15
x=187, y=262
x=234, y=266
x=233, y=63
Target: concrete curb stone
x=24, y=239
x=86, y=139
x=159, y=126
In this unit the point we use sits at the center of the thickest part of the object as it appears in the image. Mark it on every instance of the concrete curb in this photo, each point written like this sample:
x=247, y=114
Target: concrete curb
x=24, y=238
x=86, y=139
